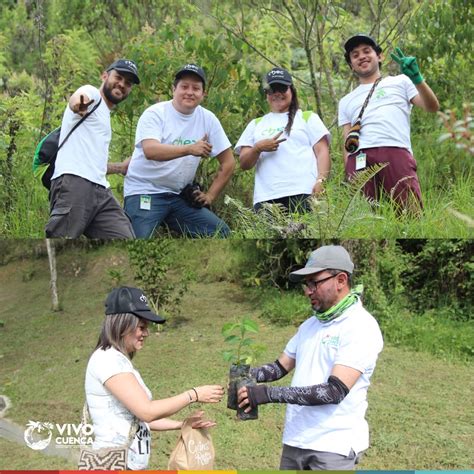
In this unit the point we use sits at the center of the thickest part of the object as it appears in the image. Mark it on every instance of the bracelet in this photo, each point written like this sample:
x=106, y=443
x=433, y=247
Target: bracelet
x=195, y=391
x=190, y=398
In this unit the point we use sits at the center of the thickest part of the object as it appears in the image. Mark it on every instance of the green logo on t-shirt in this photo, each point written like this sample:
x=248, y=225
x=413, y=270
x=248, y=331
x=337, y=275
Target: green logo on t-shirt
x=329, y=340
x=380, y=94
x=183, y=141
x=271, y=131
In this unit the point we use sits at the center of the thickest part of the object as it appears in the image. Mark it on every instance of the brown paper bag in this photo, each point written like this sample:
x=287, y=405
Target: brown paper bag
x=194, y=450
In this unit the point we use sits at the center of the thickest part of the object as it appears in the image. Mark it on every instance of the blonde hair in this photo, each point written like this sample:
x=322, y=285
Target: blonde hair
x=114, y=329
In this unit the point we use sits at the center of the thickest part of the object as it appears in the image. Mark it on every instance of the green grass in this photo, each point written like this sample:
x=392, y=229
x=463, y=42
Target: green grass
x=420, y=407
x=445, y=175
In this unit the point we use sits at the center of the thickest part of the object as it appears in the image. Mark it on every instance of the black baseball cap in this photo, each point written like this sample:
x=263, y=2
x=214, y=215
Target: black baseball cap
x=130, y=300
x=191, y=69
x=125, y=65
x=278, y=76
x=356, y=40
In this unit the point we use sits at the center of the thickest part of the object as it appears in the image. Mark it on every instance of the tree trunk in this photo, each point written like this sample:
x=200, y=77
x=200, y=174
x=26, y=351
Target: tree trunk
x=52, y=268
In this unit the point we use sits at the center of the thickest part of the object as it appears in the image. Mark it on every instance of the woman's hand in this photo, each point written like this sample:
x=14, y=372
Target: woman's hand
x=269, y=144
x=197, y=421
x=209, y=393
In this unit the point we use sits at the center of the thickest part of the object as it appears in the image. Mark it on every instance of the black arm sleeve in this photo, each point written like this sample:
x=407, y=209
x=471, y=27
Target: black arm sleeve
x=331, y=392
x=269, y=372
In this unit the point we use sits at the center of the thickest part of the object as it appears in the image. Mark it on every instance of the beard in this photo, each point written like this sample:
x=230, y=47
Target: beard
x=107, y=90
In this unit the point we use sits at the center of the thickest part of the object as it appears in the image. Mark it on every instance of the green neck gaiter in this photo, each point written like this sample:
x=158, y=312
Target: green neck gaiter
x=336, y=310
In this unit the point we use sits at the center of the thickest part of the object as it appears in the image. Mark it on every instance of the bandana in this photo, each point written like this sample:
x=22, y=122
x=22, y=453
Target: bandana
x=339, y=308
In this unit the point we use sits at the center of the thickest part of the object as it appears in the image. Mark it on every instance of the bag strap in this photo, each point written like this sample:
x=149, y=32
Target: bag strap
x=79, y=123
x=86, y=418
x=367, y=99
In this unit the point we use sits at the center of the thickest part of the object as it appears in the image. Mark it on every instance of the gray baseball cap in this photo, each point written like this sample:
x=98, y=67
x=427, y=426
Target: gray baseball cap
x=328, y=257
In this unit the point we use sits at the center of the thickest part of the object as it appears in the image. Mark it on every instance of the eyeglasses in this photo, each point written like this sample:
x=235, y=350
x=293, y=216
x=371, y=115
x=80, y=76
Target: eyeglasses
x=275, y=88
x=311, y=285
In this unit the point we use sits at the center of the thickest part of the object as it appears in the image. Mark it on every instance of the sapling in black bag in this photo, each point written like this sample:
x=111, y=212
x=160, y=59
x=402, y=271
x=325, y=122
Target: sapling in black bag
x=47, y=151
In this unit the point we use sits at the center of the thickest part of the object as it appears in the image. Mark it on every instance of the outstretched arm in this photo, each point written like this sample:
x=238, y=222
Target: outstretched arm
x=426, y=98
x=130, y=393
x=338, y=385
x=274, y=370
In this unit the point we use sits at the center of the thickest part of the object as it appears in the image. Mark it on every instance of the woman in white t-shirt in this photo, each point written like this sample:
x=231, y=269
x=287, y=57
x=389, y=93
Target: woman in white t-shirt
x=115, y=392
x=289, y=148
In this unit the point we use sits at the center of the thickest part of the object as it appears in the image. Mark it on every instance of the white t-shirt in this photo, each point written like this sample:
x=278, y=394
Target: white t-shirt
x=110, y=418
x=354, y=340
x=386, y=119
x=292, y=169
x=86, y=151
x=164, y=123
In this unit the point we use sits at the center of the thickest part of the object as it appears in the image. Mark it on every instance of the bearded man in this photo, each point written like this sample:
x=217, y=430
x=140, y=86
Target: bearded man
x=80, y=199
x=333, y=355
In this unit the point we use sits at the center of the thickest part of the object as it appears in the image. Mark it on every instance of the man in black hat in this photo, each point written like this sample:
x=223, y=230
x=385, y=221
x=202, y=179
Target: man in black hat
x=333, y=355
x=80, y=199
x=382, y=134
x=170, y=141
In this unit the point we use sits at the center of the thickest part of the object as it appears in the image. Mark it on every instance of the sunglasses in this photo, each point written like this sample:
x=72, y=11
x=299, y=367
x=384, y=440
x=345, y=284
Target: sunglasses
x=275, y=88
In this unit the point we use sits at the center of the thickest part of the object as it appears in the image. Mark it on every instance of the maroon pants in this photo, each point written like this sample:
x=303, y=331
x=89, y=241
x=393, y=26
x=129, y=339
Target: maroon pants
x=398, y=179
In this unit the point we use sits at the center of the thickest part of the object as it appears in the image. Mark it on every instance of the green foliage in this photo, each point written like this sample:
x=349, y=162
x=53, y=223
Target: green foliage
x=244, y=349
x=440, y=274
x=48, y=49
x=284, y=308
x=151, y=263
x=441, y=38
x=434, y=331
x=116, y=276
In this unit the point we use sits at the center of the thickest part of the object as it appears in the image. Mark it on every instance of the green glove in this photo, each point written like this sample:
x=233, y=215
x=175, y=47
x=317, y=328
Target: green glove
x=408, y=66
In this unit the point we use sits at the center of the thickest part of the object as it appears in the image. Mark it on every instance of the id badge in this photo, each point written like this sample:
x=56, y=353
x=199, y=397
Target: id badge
x=145, y=202
x=360, y=161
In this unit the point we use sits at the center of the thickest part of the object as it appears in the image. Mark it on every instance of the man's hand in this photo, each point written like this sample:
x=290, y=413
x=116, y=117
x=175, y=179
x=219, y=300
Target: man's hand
x=250, y=396
x=80, y=107
x=269, y=144
x=206, y=199
x=408, y=66
x=119, y=168
x=201, y=147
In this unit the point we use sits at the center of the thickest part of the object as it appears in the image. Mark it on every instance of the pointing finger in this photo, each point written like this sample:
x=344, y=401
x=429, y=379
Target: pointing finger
x=281, y=140
x=277, y=135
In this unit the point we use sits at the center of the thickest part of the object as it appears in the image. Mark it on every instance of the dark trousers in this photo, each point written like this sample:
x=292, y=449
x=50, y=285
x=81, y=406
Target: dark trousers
x=297, y=203
x=398, y=179
x=297, y=459
x=79, y=206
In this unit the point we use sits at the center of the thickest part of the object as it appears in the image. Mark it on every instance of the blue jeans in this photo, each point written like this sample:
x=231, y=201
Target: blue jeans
x=179, y=216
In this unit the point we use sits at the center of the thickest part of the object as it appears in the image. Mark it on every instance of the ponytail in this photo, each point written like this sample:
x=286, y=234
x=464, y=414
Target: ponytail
x=294, y=106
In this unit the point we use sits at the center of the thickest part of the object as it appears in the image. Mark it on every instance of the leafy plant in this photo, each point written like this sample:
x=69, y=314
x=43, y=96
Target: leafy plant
x=116, y=276
x=151, y=263
x=244, y=349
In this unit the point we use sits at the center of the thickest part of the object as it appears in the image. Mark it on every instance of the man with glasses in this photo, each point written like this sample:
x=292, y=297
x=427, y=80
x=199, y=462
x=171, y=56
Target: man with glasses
x=334, y=355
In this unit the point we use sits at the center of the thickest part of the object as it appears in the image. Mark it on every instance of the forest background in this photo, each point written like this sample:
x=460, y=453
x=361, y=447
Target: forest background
x=420, y=291
x=48, y=48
